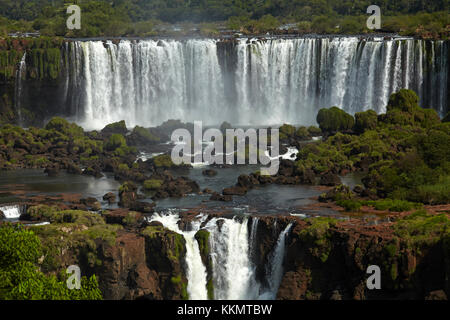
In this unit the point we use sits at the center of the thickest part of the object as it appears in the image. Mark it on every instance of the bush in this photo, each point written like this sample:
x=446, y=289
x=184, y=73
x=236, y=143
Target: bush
x=349, y=205
x=163, y=161
x=405, y=100
x=114, y=142
x=367, y=120
x=334, y=119
x=152, y=184
x=20, y=278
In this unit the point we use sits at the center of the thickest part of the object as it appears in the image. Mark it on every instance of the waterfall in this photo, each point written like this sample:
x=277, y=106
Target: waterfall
x=196, y=271
x=20, y=73
x=275, y=267
x=233, y=271
x=12, y=212
x=253, y=81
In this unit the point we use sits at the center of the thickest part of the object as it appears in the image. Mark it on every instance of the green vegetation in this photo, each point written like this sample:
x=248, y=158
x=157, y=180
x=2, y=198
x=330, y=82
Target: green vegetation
x=20, y=279
x=334, y=120
x=318, y=236
x=147, y=18
x=163, y=161
x=406, y=155
x=421, y=228
x=153, y=184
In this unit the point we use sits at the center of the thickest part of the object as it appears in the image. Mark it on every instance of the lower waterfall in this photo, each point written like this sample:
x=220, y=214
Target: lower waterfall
x=12, y=212
x=196, y=271
x=234, y=273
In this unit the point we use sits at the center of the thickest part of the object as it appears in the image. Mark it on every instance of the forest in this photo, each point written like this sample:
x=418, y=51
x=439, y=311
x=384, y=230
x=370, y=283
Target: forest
x=424, y=18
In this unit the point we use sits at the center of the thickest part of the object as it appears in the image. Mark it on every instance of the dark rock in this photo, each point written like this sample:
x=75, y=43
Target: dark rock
x=52, y=171
x=110, y=197
x=208, y=191
x=73, y=168
x=234, y=191
x=330, y=179
x=358, y=189
x=436, y=295
x=218, y=197
x=93, y=171
x=92, y=203
x=209, y=173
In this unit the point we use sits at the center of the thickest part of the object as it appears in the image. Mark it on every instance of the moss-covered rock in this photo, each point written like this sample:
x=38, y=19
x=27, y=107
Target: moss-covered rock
x=334, y=120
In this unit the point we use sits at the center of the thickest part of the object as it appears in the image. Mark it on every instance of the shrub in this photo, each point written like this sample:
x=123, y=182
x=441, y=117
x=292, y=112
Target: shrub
x=405, y=100
x=114, y=142
x=367, y=120
x=334, y=120
x=163, y=161
x=20, y=278
x=152, y=184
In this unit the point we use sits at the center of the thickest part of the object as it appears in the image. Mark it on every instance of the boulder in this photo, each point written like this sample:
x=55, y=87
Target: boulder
x=110, y=197
x=218, y=197
x=209, y=173
x=234, y=191
x=330, y=179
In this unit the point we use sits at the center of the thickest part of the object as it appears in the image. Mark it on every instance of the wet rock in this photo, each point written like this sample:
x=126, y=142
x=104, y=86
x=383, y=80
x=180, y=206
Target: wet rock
x=93, y=171
x=286, y=168
x=127, y=195
x=2, y=215
x=247, y=181
x=208, y=191
x=110, y=197
x=358, y=189
x=234, y=191
x=209, y=173
x=330, y=179
x=218, y=197
x=123, y=217
x=52, y=171
x=308, y=177
x=92, y=203
x=436, y=295
x=73, y=168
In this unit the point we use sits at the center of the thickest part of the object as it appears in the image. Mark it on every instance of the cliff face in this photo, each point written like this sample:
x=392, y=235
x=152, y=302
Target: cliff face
x=329, y=261
x=40, y=81
x=324, y=258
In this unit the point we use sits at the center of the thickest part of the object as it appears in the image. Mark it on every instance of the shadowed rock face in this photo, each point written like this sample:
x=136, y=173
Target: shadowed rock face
x=333, y=265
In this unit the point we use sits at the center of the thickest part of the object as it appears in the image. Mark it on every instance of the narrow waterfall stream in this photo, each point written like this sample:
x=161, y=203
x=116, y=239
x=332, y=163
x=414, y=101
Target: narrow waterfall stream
x=234, y=275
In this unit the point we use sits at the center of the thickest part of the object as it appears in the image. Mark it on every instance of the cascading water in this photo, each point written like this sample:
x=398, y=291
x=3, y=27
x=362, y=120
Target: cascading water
x=233, y=271
x=12, y=212
x=20, y=74
x=196, y=271
x=253, y=81
x=275, y=268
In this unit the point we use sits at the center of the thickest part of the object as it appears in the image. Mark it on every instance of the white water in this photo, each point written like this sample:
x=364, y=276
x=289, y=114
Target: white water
x=196, y=271
x=234, y=274
x=11, y=212
x=281, y=80
x=275, y=268
x=20, y=74
x=230, y=248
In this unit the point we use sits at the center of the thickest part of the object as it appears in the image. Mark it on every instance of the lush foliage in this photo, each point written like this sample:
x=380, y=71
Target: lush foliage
x=20, y=278
x=139, y=17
